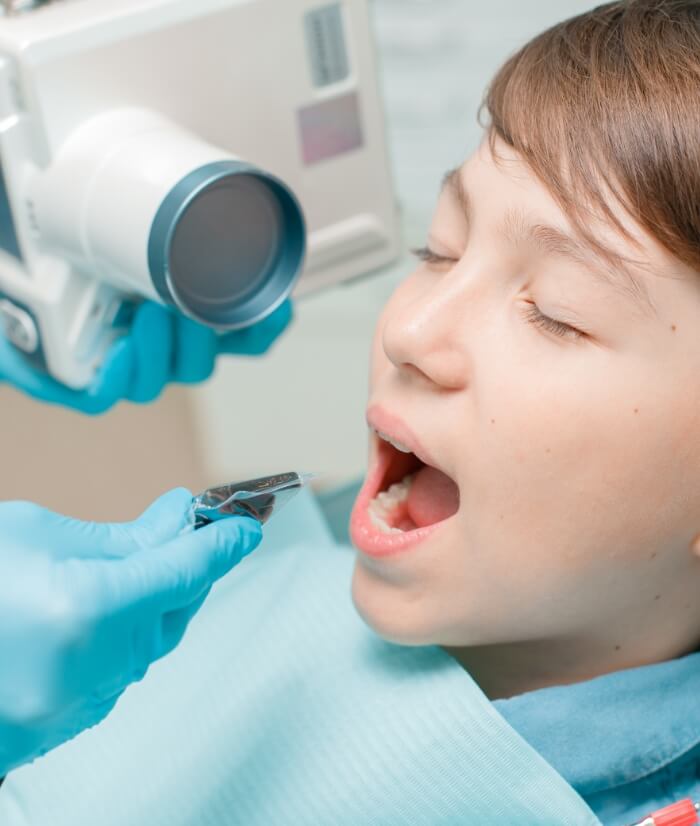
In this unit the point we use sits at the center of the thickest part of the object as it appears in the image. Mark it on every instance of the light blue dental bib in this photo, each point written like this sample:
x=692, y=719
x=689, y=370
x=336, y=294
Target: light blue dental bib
x=282, y=707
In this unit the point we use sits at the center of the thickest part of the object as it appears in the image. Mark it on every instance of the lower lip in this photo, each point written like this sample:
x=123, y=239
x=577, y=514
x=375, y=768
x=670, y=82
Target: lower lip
x=366, y=536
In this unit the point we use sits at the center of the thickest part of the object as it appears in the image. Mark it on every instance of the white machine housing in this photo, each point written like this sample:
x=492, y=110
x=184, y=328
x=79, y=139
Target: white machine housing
x=106, y=104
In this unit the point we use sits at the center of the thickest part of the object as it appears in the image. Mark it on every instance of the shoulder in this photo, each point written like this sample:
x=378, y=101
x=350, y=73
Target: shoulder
x=629, y=742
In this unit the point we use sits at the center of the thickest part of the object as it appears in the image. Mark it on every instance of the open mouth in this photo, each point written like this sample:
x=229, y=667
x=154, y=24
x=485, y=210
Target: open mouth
x=405, y=497
x=410, y=494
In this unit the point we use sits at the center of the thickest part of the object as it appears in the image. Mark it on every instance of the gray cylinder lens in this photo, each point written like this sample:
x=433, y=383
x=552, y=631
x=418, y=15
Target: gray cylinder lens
x=227, y=245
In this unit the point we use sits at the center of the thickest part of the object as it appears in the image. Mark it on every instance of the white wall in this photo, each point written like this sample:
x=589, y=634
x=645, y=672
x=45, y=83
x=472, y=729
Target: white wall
x=302, y=407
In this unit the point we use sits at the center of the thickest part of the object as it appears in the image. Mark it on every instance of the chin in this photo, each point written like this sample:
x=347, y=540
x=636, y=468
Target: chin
x=416, y=618
x=391, y=612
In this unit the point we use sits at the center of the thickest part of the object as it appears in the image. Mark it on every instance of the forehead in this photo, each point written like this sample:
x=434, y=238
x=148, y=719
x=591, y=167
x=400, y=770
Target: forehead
x=493, y=185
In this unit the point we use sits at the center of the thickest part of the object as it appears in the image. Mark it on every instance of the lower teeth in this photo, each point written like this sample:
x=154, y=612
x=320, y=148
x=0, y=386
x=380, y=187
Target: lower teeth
x=385, y=504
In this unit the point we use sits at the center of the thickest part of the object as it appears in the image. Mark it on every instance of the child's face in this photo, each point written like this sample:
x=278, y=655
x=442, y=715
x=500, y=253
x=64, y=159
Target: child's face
x=576, y=457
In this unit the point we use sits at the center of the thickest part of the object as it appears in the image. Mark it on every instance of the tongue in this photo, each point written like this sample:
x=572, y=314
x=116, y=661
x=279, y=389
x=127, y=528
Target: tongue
x=432, y=498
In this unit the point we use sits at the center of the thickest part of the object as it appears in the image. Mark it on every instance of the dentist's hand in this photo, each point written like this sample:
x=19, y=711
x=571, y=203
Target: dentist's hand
x=161, y=347
x=85, y=608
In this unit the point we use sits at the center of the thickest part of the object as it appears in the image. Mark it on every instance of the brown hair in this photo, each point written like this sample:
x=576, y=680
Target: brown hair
x=609, y=101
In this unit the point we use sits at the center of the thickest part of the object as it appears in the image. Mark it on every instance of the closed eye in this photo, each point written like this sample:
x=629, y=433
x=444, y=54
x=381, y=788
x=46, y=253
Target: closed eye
x=429, y=256
x=533, y=315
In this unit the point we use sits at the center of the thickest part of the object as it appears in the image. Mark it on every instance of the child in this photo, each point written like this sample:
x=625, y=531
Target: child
x=532, y=504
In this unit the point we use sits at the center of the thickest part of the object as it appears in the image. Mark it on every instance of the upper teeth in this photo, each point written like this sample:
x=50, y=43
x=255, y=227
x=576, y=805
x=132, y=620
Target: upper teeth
x=401, y=448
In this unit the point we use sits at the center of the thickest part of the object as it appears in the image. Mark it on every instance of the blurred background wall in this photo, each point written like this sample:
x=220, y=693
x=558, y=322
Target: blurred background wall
x=301, y=407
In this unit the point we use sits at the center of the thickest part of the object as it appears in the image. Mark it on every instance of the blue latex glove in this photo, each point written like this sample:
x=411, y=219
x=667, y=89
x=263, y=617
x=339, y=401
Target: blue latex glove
x=161, y=347
x=85, y=608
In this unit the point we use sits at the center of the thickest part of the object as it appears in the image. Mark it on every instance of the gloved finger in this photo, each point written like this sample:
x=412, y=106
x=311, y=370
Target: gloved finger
x=65, y=538
x=174, y=575
x=174, y=624
x=163, y=520
x=194, y=353
x=149, y=640
x=28, y=526
x=151, y=337
x=112, y=381
x=109, y=386
x=256, y=340
x=70, y=725
x=91, y=712
x=97, y=714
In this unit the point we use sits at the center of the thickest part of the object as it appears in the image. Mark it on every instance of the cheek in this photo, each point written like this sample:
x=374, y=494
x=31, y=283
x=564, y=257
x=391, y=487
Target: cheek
x=582, y=472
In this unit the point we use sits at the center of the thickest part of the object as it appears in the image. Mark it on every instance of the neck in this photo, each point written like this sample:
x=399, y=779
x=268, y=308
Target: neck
x=506, y=670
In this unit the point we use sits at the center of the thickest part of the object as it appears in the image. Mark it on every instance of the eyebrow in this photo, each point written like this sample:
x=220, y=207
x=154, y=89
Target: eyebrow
x=603, y=264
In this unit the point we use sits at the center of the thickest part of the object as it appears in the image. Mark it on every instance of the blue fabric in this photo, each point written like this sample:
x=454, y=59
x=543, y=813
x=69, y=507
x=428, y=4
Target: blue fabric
x=628, y=742
x=282, y=707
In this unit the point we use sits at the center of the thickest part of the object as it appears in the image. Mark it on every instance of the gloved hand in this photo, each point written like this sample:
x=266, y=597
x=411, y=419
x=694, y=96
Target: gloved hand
x=86, y=607
x=161, y=347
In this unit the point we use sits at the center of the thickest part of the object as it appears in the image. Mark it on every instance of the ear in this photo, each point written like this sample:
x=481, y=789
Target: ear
x=695, y=546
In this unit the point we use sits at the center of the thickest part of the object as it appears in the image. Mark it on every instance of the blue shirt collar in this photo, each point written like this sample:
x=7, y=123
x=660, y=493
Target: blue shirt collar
x=614, y=729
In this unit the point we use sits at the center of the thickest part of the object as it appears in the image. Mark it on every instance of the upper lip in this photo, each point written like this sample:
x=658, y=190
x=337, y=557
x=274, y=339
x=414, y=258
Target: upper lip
x=390, y=424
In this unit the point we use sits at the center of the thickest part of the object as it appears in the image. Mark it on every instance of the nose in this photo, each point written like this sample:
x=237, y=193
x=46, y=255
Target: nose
x=421, y=336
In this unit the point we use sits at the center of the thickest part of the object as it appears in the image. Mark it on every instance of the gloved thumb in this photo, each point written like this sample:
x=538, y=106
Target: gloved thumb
x=161, y=521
